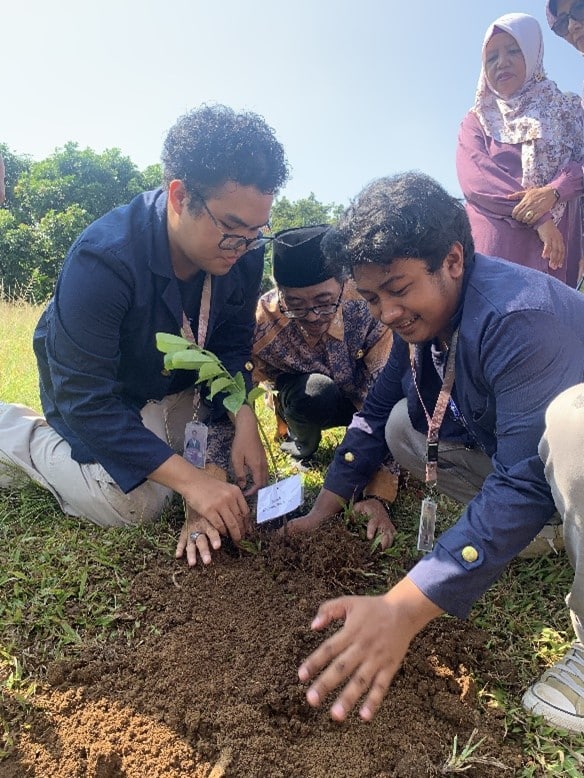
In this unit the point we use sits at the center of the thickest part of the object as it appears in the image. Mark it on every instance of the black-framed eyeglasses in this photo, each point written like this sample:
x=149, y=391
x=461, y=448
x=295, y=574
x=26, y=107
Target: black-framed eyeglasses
x=232, y=242
x=301, y=313
x=562, y=23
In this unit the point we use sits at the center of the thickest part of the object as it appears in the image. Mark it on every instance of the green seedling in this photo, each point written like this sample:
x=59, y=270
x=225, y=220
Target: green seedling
x=182, y=354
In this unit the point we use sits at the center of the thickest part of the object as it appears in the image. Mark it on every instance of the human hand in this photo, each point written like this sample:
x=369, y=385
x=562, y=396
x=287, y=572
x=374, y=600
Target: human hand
x=207, y=493
x=379, y=522
x=195, y=536
x=221, y=504
x=534, y=203
x=368, y=650
x=247, y=453
x=554, y=249
x=327, y=504
x=307, y=523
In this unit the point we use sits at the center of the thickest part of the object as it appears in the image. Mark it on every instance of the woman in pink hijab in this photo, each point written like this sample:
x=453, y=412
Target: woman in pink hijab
x=520, y=153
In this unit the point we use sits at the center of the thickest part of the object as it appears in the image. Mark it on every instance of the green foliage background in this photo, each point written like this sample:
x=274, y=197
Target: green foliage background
x=48, y=203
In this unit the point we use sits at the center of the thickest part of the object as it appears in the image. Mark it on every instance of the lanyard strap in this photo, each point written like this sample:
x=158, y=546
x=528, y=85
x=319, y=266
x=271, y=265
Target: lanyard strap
x=435, y=421
x=204, y=312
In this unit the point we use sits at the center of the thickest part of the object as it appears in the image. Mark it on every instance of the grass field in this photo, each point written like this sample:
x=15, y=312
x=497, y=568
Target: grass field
x=18, y=376
x=63, y=586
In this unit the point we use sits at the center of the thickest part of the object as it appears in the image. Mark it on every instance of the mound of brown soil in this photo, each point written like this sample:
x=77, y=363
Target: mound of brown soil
x=207, y=685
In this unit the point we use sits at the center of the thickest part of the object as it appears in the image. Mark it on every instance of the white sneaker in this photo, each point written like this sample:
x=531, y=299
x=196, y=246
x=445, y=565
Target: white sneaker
x=558, y=696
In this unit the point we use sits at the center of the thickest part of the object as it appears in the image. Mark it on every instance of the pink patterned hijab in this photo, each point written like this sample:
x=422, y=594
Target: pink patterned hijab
x=547, y=123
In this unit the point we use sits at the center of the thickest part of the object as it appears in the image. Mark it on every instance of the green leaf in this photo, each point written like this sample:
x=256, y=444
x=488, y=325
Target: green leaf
x=69, y=635
x=255, y=393
x=188, y=360
x=233, y=402
x=209, y=370
x=219, y=384
x=168, y=343
x=240, y=381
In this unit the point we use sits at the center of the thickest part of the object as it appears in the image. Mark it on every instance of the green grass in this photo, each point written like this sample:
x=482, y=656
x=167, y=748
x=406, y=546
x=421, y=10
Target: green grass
x=64, y=582
x=18, y=378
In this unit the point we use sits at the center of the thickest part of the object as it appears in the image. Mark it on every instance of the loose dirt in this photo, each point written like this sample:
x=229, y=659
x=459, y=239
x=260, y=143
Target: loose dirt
x=206, y=685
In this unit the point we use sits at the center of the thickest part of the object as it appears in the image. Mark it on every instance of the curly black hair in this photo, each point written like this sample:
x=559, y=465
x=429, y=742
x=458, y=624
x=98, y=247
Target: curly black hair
x=213, y=144
x=405, y=215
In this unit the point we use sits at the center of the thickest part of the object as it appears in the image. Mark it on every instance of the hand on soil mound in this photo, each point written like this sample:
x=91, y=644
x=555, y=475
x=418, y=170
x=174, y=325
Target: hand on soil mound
x=369, y=648
x=195, y=536
x=379, y=522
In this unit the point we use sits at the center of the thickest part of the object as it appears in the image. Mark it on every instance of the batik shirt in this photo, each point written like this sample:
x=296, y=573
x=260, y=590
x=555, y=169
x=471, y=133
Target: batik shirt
x=352, y=352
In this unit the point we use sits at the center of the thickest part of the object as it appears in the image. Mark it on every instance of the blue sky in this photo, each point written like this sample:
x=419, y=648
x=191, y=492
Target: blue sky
x=354, y=90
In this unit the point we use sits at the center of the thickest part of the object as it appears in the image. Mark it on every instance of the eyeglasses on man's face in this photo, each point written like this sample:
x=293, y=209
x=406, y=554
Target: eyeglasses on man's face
x=562, y=23
x=232, y=242
x=301, y=313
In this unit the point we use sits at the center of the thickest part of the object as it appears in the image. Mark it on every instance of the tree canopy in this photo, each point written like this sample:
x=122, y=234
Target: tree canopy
x=48, y=203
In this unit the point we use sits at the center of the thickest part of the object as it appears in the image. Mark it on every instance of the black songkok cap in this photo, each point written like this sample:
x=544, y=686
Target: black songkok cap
x=300, y=262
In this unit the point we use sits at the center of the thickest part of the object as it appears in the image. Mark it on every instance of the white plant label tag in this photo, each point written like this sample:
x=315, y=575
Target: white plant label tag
x=279, y=498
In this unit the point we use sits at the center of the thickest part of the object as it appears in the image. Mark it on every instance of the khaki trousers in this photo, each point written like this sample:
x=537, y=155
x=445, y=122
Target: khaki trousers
x=30, y=447
x=462, y=470
x=561, y=450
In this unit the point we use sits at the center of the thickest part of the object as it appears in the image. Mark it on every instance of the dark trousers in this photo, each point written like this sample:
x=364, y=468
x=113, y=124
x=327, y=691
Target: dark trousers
x=310, y=403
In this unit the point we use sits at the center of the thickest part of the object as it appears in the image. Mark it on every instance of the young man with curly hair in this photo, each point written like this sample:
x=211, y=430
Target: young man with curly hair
x=186, y=257
x=481, y=398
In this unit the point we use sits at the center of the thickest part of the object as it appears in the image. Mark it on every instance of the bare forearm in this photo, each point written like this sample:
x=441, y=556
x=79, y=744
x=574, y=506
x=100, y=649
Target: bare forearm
x=415, y=608
x=326, y=504
x=178, y=474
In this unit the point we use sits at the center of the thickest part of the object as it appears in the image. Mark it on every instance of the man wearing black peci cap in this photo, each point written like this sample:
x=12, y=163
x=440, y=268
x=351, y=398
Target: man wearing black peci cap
x=317, y=344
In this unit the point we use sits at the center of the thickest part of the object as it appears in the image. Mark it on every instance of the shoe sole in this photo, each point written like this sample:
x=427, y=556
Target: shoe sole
x=553, y=716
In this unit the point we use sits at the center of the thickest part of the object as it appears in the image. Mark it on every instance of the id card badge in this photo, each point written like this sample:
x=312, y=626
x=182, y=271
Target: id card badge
x=195, y=449
x=427, y=525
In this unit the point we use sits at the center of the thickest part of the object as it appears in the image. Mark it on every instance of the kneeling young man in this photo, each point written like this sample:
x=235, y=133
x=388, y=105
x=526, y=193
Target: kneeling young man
x=186, y=257
x=482, y=348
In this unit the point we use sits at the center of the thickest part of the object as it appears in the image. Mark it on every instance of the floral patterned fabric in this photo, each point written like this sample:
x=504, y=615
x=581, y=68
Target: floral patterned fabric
x=547, y=123
x=352, y=352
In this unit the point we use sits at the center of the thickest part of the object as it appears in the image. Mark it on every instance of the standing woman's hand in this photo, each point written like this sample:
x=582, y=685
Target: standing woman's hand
x=533, y=203
x=554, y=248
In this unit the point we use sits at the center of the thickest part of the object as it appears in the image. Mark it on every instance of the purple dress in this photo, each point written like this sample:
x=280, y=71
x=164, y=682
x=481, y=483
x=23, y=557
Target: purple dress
x=488, y=171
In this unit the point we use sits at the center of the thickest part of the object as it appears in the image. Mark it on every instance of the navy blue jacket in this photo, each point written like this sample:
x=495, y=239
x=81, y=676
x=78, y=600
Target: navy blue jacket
x=95, y=342
x=521, y=343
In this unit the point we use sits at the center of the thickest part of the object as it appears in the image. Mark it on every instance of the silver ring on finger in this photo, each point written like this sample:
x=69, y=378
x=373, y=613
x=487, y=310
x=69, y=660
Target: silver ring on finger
x=195, y=535
x=529, y=215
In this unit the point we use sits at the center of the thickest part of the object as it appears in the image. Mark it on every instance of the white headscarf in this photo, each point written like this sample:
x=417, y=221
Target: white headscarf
x=548, y=123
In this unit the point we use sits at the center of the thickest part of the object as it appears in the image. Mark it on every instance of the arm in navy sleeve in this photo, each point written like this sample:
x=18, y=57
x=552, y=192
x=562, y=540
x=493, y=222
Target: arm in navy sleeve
x=364, y=448
x=523, y=373
x=93, y=295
